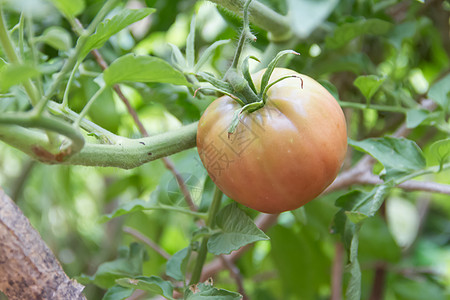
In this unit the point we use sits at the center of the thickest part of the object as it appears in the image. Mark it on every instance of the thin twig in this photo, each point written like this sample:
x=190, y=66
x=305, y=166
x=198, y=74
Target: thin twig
x=147, y=241
x=236, y=274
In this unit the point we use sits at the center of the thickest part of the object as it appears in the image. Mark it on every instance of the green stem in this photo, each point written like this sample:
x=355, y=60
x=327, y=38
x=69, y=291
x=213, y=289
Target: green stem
x=34, y=54
x=178, y=209
x=213, y=210
x=262, y=16
x=48, y=123
x=21, y=35
x=396, y=109
x=243, y=37
x=418, y=173
x=65, y=101
x=88, y=105
x=124, y=153
x=104, y=135
x=9, y=49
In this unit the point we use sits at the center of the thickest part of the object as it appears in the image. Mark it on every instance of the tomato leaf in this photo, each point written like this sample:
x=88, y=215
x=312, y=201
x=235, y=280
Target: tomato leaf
x=207, y=54
x=439, y=93
x=307, y=15
x=117, y=292
x=56, y=37
x=152, y=284
x=359, y=205
x=69, y=8
x=204, y=291
x=368, y=85
x=190, y=45
x=176, y=265
x=415, y=117
x=440, y=152
x=128, y=264
x=237, y=230
x=399, y=156
x=13, y=74
x=142, y=69
x=112, y=26
x=348, y=31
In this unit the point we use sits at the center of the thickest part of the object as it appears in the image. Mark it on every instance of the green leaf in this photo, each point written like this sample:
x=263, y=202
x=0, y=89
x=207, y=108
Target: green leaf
x=439, y=93
x=359, y=205
x=152, y=284
x=69, y=8
x=368, y=85
x=348, y=31
x=440, y=152
x=142, y=69
x=300, y=261
x=190, y=45
x=12, y=74
x=399, y=156
x=401, y=32
x=129, y=264
x=178, y=59
x=409, y=289
x=208, y=53
x=415, y=117
x=56, y=37
x=204, y=291
x=112, y=26
x=117, y=292
x=307, y=15
x=330, y=88
x=237, y=230
x=176, y=265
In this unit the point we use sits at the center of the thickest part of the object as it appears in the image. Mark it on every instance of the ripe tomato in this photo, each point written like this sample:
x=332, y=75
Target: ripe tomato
x=281, y=156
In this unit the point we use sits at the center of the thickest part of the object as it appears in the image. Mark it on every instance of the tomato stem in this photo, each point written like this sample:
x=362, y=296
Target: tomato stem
x=243, y=37
x=201, y=258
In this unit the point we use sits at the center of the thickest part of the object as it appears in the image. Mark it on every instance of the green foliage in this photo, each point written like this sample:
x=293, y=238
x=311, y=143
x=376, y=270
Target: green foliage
x=399, y=156
x=236, y=231
x=348, y=31
x=112, y=26
x=129, y=263
x=152, y=284
x=142, y=69
x=13, y=74
x=368, y=85
x=69, y=8
x=207, y=291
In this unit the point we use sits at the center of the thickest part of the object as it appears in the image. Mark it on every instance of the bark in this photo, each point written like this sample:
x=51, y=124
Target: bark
x=28, y=268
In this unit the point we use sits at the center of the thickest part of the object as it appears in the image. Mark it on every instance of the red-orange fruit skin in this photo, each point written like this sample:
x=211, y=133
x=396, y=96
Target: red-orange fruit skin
x=281, y=156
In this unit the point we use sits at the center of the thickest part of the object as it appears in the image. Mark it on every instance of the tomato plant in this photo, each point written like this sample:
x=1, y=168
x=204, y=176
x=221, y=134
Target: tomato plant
x=282, y=155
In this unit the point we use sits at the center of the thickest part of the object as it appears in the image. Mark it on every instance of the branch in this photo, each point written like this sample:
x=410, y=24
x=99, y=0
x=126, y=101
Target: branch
x=125, y=153
x=29, y=268
x=147, y=241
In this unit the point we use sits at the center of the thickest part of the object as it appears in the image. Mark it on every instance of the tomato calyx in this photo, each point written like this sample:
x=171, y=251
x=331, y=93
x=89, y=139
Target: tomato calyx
x=238, y=83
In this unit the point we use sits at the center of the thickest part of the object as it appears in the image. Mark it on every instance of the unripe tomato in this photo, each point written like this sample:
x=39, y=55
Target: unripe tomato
x=281, y=156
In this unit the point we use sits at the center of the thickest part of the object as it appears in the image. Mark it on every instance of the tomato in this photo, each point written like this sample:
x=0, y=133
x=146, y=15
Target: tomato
x=281, y=156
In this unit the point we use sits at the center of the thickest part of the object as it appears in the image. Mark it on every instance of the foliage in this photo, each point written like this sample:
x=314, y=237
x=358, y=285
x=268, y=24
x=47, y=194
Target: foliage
x=387, y=62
